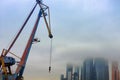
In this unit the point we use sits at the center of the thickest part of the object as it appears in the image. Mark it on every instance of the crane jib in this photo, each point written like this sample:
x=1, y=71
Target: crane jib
x=28, y=47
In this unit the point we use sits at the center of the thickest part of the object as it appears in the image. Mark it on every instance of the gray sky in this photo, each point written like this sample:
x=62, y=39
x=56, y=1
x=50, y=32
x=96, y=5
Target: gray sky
x=81, y=29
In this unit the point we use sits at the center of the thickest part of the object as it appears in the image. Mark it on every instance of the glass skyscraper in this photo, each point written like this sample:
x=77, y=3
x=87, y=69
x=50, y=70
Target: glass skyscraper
x=92, y=69
x=62, y=77
x=69, y=72
x=87, y=70
x=95, y=69
x=101, y=69
x=76, y=74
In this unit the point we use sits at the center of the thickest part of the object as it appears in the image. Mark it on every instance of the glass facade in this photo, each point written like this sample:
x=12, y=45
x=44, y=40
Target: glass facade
x=69, y=72
x=92, y=69
x=76, y=73
x=88, y=69
x=101, y=69
x=95, y=69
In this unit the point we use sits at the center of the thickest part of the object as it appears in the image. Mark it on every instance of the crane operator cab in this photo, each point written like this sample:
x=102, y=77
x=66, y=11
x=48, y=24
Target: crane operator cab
x=8, y=61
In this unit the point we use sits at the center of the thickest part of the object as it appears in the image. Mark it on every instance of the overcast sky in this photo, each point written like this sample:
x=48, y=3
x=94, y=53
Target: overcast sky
x=81, y=29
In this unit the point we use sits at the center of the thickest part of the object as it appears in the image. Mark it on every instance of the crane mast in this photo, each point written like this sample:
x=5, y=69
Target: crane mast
x=6, y=62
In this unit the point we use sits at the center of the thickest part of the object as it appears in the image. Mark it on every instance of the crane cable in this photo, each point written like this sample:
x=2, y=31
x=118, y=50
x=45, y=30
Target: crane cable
x=50, y=61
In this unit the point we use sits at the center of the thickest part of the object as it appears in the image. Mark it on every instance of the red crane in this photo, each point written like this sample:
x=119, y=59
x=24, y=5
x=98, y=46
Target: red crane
x=6, y=62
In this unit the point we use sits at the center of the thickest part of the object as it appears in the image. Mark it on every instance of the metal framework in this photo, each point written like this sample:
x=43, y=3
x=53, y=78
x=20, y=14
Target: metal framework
x=6, y=62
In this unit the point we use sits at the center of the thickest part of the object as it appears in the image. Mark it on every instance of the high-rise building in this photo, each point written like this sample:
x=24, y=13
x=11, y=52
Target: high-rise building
x=101, y=69
x=87, y=70
x=96, y=69
x=119, y=75
x=82, y=73
x=115, y=71
x=69, y=72
x=92, y=69
x=62, y=77
x=76, y=74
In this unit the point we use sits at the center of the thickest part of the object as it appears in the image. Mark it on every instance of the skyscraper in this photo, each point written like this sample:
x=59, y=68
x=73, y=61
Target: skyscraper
x=101, y=69
x=92, y=69
x=115, y=71
x=76, y=74
x=87, y=70
x=82, y=73
x=62, y=77
x=69, y=72
x=95, y=69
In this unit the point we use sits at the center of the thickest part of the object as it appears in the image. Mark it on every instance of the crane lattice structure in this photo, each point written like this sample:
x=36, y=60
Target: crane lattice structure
x=6, y=62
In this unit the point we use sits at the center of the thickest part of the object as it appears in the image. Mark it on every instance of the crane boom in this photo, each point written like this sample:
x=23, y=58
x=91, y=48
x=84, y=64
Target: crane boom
x=19, y=31
x=23, y=61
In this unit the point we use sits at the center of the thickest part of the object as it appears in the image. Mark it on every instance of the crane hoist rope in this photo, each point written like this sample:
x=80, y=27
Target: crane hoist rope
x=50, y=63
x=50, y=60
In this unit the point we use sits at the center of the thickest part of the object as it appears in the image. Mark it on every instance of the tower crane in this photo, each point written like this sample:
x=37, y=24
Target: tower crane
x=7, y=62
